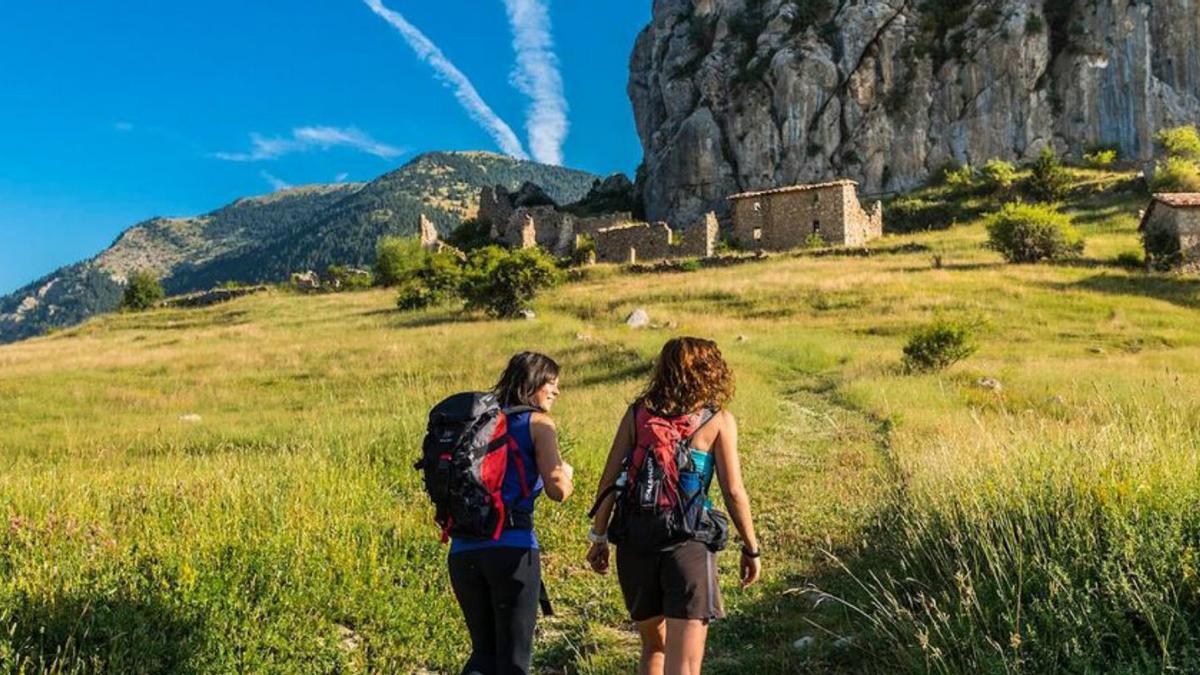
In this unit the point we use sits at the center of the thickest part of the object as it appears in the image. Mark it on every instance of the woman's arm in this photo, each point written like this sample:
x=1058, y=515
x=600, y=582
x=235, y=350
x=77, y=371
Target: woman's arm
x=557, y=475
x=737, y=501
x=621, y=445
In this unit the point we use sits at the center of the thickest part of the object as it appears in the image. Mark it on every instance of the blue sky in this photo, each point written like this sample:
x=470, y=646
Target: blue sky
x=113, y=112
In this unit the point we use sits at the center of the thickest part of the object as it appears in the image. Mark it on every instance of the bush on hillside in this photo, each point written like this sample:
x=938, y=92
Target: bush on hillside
x=1026, y=233
x=1182, y=142
x=472, y=234
x=1050, y=180
x=1101, y=158
x=998, y=175
x=938, y=346
x=1176, y=174
x=397, y=259
x=503, y=283
x=961, y=178
x=345, y=278
x=917, y=214
x=142, y=291
x=438, y=280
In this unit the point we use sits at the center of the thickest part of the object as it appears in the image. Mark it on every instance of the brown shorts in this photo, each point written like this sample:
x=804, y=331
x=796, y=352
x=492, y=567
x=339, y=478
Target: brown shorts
x=678, y=584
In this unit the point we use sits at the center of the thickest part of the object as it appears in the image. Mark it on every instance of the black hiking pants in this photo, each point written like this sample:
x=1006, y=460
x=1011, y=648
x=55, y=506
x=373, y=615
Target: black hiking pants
x=498, y=590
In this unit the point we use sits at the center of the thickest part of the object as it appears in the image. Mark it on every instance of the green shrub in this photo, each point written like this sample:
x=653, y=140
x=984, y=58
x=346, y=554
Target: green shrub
x=814, y=240
x=998, y=175
x=1130, y=260
x=1025, y=233
x=1050, y=180
x=349, y=278
x=585, y=251
x=1182, y=142
x=938, y=346
x=916, y=214
x=142, y=291
x=502, y=283
x=1100, y=159
x=397, y=259
x=961, y=178
x=439, y=279
x=472, y=234
x=1176, y=174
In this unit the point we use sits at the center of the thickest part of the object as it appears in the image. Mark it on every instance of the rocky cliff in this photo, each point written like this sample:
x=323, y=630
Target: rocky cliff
x=734, y=95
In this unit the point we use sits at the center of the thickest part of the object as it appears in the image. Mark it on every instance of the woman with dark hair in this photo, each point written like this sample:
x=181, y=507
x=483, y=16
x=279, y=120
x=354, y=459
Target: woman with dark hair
x=671, y=589
x=498, y=582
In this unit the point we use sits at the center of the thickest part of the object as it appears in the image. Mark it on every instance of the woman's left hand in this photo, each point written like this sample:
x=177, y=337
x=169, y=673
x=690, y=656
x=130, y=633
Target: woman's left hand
x=750, y=568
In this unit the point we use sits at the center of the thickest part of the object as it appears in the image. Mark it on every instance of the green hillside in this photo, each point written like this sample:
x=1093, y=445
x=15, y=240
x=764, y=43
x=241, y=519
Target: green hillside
x=230, y=488
x=265, y=238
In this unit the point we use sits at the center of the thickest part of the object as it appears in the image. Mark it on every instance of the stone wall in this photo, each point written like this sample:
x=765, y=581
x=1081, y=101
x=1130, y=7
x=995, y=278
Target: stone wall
x=785, y=219
x=1172, y=236
x=591, y=224
x=633, y=242
x=700, y=239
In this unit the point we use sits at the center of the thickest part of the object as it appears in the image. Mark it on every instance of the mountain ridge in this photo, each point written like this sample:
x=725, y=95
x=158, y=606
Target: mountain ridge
x=263, y=238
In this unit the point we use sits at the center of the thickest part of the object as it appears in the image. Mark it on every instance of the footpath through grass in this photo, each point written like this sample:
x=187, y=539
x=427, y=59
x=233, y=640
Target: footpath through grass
x=230, y=488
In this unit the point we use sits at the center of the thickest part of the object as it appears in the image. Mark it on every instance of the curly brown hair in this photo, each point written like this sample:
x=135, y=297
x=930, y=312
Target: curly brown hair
x=690, y=374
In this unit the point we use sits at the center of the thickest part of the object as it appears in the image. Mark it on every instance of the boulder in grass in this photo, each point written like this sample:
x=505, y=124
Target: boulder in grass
x=638, y=318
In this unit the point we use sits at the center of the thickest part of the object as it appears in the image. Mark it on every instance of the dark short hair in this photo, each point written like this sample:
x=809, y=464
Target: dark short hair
x=526, y=373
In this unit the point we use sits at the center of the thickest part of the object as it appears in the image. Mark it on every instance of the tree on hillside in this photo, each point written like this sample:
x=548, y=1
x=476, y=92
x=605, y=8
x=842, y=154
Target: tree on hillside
x=1050, y=180
x=1182, y=142
x=503, y=283
x=397, y=259
x=142, y=291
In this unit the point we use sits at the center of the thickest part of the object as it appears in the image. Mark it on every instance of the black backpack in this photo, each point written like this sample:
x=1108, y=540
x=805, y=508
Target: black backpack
x=465, y=455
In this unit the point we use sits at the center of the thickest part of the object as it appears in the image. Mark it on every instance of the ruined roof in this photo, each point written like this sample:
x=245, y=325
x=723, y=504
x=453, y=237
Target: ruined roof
x=793, y=188
x=1175, y=200
x=1179, y=200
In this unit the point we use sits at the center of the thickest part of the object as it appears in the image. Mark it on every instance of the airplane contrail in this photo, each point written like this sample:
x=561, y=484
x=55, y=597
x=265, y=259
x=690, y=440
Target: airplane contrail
x=537, y=76
x=452, y=77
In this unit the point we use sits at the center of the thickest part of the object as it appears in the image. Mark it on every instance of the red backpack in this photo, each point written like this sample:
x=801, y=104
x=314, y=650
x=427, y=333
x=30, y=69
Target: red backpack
x=465, y=455
x=660, y=496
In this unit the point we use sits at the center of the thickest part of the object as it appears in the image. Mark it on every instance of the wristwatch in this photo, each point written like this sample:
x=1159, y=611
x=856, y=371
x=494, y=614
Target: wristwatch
x=597, y=538
x=750, y=554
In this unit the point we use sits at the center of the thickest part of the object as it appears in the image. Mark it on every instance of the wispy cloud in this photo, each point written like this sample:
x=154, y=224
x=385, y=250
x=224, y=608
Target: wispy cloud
x=537, y=76
x=308, y=138
x=341, y=177
x=276, y=182
x=468, y=97
x=123, y=127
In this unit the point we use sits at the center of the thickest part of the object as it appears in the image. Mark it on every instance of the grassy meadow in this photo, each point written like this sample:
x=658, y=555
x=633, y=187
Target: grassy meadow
x=229, y=489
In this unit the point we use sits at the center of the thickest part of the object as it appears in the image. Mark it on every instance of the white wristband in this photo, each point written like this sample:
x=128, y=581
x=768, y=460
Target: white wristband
x=597, y=538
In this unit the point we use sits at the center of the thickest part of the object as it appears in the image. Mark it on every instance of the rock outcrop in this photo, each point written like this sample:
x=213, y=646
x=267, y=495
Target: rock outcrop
x=736, y=95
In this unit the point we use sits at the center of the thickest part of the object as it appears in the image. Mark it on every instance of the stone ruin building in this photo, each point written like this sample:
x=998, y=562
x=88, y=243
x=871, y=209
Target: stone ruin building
x=631, y=242
x=529, y=217
x=1170, y=230
x=432, y=241
x=787, y=217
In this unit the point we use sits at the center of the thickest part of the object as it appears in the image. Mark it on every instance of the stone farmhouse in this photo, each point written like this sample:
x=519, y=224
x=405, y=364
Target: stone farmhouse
x=1170, y=230
x=786, y=217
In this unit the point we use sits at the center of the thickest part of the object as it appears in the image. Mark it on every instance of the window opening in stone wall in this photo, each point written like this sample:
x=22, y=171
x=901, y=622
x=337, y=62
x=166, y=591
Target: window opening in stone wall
x=817, y=198
x=757, y=233
x=816, y=227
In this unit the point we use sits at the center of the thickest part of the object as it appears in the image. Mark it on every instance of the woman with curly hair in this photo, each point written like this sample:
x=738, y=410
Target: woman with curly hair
x=668, y=447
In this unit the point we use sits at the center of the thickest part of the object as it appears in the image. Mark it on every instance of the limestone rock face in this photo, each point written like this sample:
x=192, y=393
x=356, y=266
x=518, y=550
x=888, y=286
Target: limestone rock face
x=737, y=95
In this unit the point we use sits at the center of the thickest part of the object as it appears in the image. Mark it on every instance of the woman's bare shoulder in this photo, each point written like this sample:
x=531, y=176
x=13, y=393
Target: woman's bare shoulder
x=541, y=419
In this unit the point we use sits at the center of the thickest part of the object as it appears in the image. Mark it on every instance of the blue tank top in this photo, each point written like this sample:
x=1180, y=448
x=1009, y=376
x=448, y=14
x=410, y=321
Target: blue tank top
x=510, y=492
x=706, y=467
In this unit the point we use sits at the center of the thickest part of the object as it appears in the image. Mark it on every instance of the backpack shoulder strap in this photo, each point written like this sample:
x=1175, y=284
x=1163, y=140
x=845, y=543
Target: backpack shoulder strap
x=706, y=415
x=520, y=409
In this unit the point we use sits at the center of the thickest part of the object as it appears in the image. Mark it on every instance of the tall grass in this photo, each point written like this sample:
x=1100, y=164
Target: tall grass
x=229, y=489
